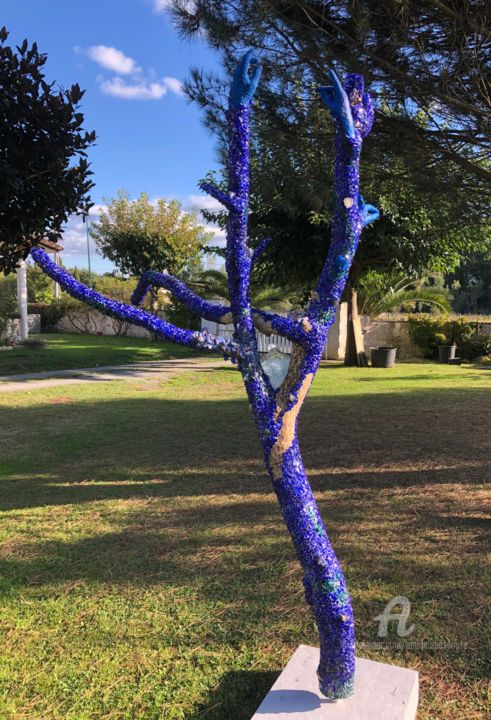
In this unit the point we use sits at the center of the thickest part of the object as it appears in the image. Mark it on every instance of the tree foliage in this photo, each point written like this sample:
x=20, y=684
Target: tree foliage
x=425, y=59
x=471, y=285
x=40, y=287
x=291, y=203
x=44, y=172
x=423, y=165
x=138, y=235
x=8, y=300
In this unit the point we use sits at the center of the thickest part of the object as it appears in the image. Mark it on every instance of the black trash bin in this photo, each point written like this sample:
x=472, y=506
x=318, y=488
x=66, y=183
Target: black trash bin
x=446, y=353
x=383, y=357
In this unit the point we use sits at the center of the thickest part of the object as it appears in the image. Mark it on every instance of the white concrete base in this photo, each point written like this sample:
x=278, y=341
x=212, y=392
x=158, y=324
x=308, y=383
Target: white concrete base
x=382, y=692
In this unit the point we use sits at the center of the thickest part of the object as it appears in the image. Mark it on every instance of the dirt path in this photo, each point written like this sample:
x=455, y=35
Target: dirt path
x=154, y=371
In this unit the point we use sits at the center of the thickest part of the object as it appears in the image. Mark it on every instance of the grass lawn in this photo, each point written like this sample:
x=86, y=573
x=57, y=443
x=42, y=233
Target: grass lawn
x=145, y=570
x=66, y=352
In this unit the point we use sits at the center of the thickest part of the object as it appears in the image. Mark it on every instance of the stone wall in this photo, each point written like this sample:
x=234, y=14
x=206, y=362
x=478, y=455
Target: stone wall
x=377, y=333
x=92, y=322
x=12, y=328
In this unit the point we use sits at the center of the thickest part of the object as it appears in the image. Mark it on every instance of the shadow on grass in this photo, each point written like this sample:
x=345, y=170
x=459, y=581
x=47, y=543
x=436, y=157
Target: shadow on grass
x=237, y=696
x=58, y=489
x=167, y=448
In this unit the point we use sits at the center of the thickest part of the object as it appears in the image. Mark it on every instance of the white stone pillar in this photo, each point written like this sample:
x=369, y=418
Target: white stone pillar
x=336, y=340
x=57, y=287
x=22, y=299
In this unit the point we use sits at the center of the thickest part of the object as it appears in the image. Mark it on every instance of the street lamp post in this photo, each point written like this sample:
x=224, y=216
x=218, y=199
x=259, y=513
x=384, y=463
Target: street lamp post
x=86, y=221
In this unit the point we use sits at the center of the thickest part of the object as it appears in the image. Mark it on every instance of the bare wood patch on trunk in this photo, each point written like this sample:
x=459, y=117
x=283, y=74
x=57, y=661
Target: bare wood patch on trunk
x=288, y=421
x=297, y=357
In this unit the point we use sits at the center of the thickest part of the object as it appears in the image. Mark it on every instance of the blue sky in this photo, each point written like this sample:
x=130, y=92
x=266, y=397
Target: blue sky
x=130, y=61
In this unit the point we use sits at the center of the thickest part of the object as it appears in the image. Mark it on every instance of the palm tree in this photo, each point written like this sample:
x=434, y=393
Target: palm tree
x=379, y=293
x=214, y=284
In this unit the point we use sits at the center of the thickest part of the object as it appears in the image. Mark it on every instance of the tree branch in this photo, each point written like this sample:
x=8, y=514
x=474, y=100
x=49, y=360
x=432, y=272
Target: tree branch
x=425, y=136
x=455, y=102
x=462, y=18
x=115, y=309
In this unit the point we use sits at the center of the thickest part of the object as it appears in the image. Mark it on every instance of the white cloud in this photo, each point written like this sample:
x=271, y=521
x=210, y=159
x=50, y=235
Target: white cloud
x=74, y=239
x=219, y=234
x=174, y=85
x=161, y=5
x=113, y=59
x=117, y=87
x=203, y=202
x=140, y=88
x=136, y=85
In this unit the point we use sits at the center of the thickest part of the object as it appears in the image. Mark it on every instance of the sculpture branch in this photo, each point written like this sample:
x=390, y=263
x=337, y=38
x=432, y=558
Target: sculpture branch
x=264, y=321
x=238, y=261
x=259, y=250
x=295, y=330
x=325, y=587
x=352, y=112
x=222, y=197
x=115, y=309
x=276, y=414
x=207, y=310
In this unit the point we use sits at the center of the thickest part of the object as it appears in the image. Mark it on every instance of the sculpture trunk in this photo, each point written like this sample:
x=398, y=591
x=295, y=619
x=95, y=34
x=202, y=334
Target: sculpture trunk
x=276, y=411
x=325, y=587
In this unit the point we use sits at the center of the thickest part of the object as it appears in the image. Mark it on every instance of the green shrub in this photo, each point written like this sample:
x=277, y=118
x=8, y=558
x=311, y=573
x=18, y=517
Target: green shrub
x=179, y=314
x=427, y=333
x=440, y=338
x=117, y=288
x=40, y=287
x=475, y=347
x=51, y=313
x=8, y=300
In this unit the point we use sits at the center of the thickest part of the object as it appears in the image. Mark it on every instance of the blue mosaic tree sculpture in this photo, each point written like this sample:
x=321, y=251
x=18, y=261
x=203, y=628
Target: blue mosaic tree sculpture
x=276, y=409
